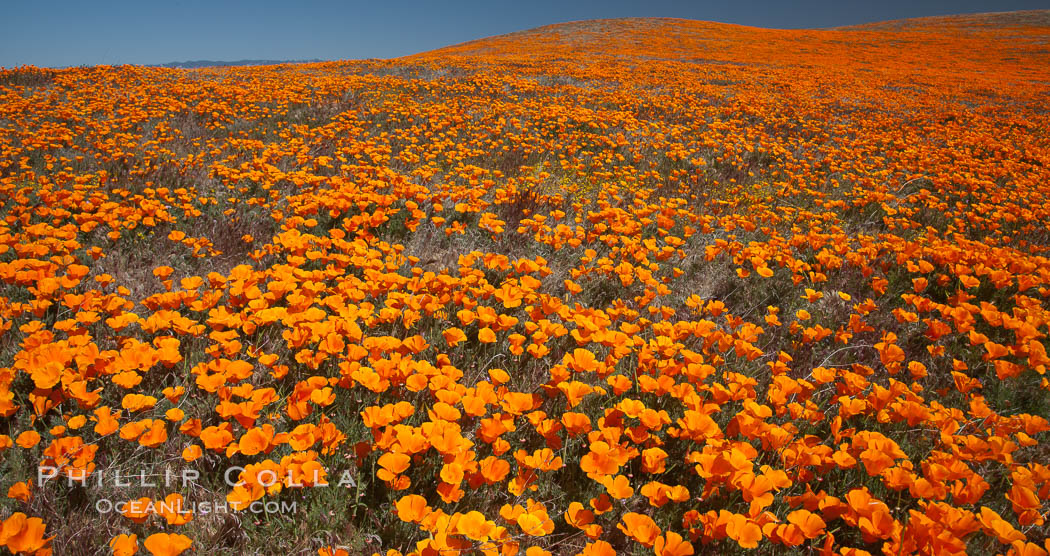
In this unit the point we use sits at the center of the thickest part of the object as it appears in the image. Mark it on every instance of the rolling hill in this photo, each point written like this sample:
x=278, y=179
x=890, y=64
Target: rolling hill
x=604, y=287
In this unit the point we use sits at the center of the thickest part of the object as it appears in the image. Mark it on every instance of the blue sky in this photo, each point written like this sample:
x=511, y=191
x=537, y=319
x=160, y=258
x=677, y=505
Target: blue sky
x=60, y=33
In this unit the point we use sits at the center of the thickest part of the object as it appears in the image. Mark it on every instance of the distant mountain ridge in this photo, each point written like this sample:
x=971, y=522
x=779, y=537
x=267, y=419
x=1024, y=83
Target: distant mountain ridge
x=189, y=64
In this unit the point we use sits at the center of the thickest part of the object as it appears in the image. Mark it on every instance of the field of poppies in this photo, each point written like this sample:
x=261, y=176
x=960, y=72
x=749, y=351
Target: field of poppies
x=609, y=287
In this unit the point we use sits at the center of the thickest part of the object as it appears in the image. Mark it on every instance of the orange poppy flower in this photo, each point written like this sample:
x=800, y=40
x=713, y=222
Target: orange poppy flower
x=23, y=534
x=639, y=527
x=27, y=439
x=124, y=545
x=672, y=544
x=411, y=508
x=167, y=544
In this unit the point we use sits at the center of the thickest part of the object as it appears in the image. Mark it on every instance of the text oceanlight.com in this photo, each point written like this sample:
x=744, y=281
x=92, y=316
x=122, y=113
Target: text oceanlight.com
x=181, y=507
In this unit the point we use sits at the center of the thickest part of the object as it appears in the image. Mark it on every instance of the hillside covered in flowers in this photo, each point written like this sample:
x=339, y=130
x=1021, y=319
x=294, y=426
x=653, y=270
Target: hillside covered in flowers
x=608, y=287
